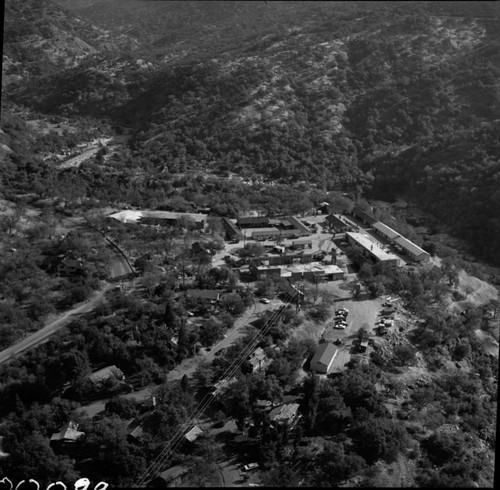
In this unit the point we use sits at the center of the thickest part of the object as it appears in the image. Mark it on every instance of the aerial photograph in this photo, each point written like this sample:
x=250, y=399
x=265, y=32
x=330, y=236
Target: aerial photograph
x=249, y=244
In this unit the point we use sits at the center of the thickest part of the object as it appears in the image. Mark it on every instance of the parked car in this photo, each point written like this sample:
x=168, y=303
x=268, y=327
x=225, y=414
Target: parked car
x=265, y=301
x=251, y=466
x=340, y=326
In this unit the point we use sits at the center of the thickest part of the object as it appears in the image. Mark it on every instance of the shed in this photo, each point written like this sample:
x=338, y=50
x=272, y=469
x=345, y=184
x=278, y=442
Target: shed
x=193, y=434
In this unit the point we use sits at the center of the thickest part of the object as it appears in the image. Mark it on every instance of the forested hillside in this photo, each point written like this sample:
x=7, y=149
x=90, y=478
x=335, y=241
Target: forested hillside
x=387, y=99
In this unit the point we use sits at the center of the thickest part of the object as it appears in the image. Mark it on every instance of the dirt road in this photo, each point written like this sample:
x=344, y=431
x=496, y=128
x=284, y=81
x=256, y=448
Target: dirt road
x=42, y=335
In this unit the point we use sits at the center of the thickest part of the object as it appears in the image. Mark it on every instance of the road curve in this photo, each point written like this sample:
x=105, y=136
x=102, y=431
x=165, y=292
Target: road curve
x=42, y=335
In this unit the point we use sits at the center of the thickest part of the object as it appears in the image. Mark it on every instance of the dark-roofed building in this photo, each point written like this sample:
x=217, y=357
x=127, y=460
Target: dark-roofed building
x=171, y=477
x=68, y=434
x=70, y=265
x=231, y=230
x=384, y=231
x=302, y=244
x=336, y=224
x=363, y=216
x=412, y=250
x=204, y=296
x=302, y=229
x=259, y=360
x=323, y=358
x=253, y=222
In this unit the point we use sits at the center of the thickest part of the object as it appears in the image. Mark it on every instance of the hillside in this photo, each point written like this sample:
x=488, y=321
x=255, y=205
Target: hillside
x=338, y=94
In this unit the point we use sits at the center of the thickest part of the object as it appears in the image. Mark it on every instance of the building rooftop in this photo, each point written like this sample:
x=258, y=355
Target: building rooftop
x=193, y=434
x=324, y=353
x=335, y=221
x=369, y=244
x=410, y=246
x=388, y=232
x=106, y=373
x=173, y=473
x=357, y=211
x=211, y=294
x=68, y=433
x=253, y=220
x=284, y=413
x=131, y=216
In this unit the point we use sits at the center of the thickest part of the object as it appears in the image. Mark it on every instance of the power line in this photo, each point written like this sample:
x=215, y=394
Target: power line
x=171, y=445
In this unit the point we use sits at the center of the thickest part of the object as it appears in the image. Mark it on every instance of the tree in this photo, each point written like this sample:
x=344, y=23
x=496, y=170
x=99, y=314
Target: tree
x=233, y=303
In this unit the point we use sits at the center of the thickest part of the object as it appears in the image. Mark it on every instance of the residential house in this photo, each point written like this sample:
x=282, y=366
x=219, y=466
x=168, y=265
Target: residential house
x=323, y=358
x=105, y=374
x=193, y=434
x=70, y=265
x=259, y=360
x=286, y=414
x=68, y=435
x=222, y=386
x=204, y=296
x=170, y=478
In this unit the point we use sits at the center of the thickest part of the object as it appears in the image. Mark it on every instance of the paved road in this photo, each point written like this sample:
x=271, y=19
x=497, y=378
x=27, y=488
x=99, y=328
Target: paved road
x=42, y=335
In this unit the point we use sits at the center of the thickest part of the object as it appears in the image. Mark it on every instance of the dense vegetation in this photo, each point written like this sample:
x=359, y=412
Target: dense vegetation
x=405, y=114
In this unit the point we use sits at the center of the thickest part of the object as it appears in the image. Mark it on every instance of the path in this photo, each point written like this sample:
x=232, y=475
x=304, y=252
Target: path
x=42, y=335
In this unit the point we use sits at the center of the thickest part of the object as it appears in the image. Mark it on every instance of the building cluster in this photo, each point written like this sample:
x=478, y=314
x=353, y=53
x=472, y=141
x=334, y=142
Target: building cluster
x=295, y=267
x=399, y=242
x=264, y=228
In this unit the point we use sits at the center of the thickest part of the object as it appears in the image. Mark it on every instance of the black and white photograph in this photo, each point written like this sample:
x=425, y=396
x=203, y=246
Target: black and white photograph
x=249, y=244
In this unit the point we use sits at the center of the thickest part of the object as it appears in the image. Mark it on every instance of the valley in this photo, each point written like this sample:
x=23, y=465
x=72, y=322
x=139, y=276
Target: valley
x=250, y=243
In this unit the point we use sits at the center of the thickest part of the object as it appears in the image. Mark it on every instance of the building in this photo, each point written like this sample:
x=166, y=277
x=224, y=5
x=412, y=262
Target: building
x=222, y=386
x=171, y=218
x=104, y=374
x=253, y=222
x=68, y=435
x=363, y=345
x=259, y=360
x=70, y=265
x=266, y=234
x=193, y=434
x=384, y=231
x=231, y=230
x=336, y=224
x=299, y=227
x=286, y=414
x=371, y=249
x=204, y=296
x=413, y=251
x=363, y=216
x=323, y=358
x=170, y=478
x=302, y=244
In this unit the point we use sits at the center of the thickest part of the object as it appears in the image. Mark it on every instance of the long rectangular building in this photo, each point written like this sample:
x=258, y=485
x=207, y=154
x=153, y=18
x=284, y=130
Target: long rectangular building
x=412, y=250
x=372, y=249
